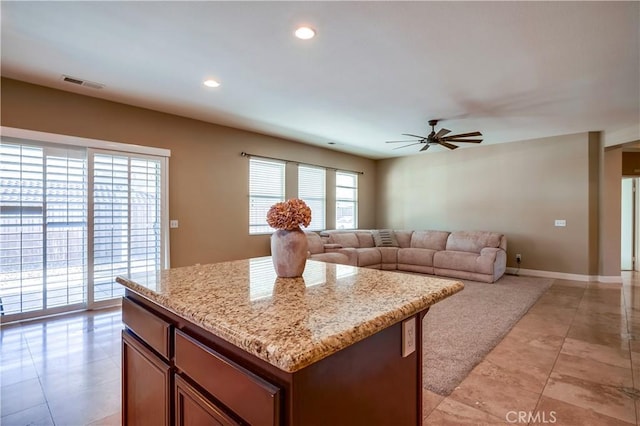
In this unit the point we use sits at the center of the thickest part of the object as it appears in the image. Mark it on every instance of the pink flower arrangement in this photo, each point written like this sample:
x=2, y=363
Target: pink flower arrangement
x=289, y=215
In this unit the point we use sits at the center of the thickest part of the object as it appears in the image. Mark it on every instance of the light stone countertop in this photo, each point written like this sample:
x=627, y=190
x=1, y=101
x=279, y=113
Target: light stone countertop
x=290, y=322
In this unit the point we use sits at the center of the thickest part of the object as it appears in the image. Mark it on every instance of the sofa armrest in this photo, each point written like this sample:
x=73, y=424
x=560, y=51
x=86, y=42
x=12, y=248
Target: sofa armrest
x=499, y=259
x=489, y=251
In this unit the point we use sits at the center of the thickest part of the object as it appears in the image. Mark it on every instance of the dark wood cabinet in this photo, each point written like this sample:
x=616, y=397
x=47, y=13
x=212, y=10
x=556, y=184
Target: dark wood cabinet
x=175, y=372
x=159, y=360
x=193, y=408
x=146, y=385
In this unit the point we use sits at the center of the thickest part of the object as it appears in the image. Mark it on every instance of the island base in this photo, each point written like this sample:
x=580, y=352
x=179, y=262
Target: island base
x=199, y=375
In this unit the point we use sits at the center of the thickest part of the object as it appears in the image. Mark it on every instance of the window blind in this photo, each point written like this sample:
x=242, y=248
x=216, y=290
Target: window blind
x=346, y=200
x=312, y=189
x=126, y=220
x=43, y=227
x=266, y=187
x=74, y=217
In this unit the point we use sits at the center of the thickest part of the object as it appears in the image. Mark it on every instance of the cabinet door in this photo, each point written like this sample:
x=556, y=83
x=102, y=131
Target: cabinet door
x=146, y=385
x=192, y=408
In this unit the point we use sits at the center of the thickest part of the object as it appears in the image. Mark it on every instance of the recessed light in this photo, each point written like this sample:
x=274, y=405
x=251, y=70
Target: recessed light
x=211, y=83
x=305, y=33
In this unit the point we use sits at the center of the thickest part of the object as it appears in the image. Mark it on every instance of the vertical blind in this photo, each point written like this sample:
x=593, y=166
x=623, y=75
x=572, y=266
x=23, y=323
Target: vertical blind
x=311, y=189
x=266, y=187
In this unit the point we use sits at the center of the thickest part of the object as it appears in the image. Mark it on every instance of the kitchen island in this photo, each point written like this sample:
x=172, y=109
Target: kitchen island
x=230, y=343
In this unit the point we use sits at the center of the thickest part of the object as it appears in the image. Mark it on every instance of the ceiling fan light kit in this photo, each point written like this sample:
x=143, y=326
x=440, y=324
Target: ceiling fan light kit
x=439, y=138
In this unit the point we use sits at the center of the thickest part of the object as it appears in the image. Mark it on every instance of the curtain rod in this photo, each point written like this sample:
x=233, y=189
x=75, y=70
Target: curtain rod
x=246, y=154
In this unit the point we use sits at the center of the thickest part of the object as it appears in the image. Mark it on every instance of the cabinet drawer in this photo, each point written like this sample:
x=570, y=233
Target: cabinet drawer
x=193, y=408
x=151, y=329
x=252, y=398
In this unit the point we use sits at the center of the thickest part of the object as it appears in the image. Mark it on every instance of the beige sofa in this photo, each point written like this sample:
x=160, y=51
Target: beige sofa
x=330, y=253
x=472, y=255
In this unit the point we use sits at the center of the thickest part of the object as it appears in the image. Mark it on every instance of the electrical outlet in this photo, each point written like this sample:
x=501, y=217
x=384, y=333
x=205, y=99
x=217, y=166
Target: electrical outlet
x=408, y=336
x=173, y=223
x=518, y=258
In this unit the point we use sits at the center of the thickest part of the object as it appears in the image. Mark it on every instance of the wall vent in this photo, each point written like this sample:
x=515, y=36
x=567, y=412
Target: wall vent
x=81, y=82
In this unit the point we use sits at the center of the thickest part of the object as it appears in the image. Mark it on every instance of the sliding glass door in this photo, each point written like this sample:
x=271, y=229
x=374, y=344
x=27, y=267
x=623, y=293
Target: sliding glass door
x=71, y=220
x=43, y=228
x=127, y=219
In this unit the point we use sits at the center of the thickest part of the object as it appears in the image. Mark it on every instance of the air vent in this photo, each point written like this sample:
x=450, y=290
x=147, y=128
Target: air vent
x=81, y=82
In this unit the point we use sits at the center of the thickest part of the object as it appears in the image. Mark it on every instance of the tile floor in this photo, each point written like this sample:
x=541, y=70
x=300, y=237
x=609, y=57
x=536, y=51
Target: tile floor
x=62, y=371
x=573, y=359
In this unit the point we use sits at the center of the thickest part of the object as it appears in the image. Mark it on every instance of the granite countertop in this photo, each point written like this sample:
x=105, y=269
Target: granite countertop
x=290, y=322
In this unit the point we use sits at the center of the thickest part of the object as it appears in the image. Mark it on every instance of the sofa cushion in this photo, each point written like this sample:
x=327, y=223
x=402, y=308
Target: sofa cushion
x=404, y=238
x=365, y=239
x=463, y=261
x=384, y=238
x=345, y=239
x=388, y=255
x=369, y=256
x=472, y=241
x=434, y=240
x=315, y=242
x=416, y=256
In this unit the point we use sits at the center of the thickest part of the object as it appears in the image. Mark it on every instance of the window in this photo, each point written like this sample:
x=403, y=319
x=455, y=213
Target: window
x=311, y=189
x=346, y=200
x=266, y=187
x=72, y=218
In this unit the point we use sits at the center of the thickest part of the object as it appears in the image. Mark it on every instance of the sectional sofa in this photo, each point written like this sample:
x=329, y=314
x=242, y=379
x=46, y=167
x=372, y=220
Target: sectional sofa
x=472, y=255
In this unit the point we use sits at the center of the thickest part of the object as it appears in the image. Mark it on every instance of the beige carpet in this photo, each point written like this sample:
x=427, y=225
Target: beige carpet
x=462, y=329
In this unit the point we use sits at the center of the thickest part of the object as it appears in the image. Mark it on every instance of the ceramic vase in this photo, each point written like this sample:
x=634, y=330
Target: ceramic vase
x=289, y=252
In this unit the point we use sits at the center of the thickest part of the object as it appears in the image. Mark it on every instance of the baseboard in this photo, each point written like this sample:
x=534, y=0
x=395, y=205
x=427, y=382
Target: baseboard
x=565, y=276
x=609, y=279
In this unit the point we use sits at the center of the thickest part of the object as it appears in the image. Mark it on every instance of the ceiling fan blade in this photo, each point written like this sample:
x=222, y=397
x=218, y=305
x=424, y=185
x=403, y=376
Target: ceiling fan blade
x=414, y=136
x=463, y=140
x=404, y=146
x=465, y=135
x=448, y=145
x=426, y=147
x=442, y=132
x=408, y=140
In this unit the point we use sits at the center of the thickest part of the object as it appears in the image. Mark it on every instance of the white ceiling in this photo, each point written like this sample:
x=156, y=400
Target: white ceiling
x=513, y=70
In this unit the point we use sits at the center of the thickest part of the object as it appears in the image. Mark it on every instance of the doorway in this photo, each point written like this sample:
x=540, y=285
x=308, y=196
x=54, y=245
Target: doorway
x=630, y=221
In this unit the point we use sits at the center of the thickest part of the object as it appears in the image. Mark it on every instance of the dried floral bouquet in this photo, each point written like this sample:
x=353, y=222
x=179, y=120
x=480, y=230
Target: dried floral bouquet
x=289, y=215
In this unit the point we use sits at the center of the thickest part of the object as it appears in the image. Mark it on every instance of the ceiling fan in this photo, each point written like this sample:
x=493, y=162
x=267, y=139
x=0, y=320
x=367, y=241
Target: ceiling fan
x=439, y=138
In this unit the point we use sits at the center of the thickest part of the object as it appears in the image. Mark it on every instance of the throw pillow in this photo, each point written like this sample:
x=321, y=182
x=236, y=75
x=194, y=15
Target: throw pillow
x=385, y=238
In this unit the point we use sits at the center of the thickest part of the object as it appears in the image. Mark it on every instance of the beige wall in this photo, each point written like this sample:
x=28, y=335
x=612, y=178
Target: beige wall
x=208, y=179
x=518, y=188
